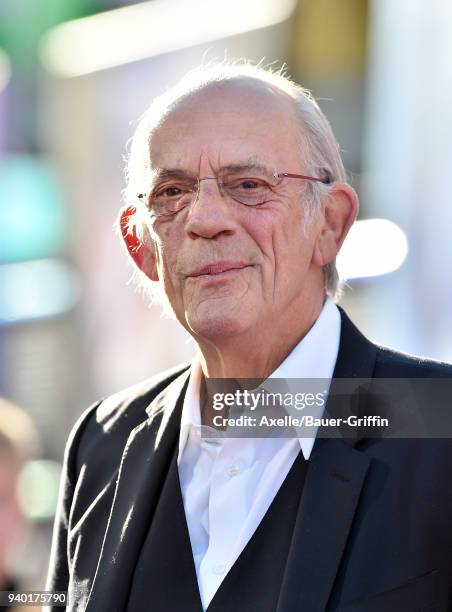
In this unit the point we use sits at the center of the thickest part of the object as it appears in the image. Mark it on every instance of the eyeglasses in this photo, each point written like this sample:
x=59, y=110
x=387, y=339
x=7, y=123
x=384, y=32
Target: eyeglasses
x=173, y=192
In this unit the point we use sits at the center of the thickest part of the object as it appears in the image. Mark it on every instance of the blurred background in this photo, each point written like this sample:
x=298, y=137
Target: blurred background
x=74, y=78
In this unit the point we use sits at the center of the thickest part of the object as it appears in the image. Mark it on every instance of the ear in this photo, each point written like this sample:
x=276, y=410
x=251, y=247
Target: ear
x=143, y=256
x=339, y=213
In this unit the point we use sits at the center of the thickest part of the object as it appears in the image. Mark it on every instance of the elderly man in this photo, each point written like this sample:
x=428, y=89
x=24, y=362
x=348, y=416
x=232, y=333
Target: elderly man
x=237, y=205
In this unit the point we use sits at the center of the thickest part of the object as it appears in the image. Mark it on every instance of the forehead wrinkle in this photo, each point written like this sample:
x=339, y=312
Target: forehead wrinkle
x=252, y=163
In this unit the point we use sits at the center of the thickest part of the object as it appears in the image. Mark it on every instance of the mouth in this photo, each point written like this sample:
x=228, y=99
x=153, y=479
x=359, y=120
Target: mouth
x=217, y=268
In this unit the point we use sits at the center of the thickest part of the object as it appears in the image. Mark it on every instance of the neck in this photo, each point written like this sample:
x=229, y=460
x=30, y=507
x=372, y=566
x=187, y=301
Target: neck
x=257, y=352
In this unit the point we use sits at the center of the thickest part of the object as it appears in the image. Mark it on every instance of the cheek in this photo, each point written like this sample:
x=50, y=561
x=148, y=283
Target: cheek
x=277, y=234
x=286, y=248
x=166, y=247
x=261, y=225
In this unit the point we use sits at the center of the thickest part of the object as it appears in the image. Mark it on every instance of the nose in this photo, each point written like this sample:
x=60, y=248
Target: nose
x=209, y=215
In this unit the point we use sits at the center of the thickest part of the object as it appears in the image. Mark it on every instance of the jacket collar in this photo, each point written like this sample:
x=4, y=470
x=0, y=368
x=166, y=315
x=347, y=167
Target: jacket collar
x=334, y=481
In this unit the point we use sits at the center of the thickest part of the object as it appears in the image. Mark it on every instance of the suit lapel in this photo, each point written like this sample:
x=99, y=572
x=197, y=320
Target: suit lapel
x=335, y=477
x=144, y=464
x=328, y=504
x=355, y=362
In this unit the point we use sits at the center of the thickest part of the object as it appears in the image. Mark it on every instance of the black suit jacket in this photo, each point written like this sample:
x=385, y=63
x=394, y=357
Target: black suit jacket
x=374, y=531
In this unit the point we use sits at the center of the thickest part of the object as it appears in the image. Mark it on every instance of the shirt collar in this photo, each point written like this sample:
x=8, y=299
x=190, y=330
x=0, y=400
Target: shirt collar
x=191, y=415
x=313, y=357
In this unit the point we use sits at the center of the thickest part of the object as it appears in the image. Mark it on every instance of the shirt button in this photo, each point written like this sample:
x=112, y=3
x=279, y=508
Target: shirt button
x=233, y=470
x=219, y=569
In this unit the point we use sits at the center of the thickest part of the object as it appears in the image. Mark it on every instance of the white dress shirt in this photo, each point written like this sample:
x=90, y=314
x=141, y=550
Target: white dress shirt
x=228, y=484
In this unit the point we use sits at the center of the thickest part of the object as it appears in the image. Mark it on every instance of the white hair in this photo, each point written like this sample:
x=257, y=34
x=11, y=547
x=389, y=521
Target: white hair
x=319, y=149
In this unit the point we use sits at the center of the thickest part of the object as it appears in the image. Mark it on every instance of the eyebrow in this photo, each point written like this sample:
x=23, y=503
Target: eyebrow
x=158, y=173
x=249, y=165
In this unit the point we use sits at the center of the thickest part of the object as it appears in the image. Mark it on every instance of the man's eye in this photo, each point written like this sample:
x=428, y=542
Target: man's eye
x=169, y=191
x=250, y=184
x=247, y=184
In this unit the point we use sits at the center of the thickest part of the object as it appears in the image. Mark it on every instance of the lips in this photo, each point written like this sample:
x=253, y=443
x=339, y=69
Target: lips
x=218, y=267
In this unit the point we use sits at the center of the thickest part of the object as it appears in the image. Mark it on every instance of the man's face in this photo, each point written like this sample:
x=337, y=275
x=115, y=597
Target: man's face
x=229, y=269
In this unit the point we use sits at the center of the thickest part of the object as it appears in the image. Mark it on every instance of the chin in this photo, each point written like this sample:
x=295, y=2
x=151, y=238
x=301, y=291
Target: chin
x=216, y=325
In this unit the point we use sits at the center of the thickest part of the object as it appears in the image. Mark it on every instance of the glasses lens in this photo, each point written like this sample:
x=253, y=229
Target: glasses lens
x=248, y=190
x=170, y=197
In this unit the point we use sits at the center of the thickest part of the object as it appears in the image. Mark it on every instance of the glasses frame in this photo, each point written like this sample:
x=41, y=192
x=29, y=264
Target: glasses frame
x=280, y=175
x=326, y=180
